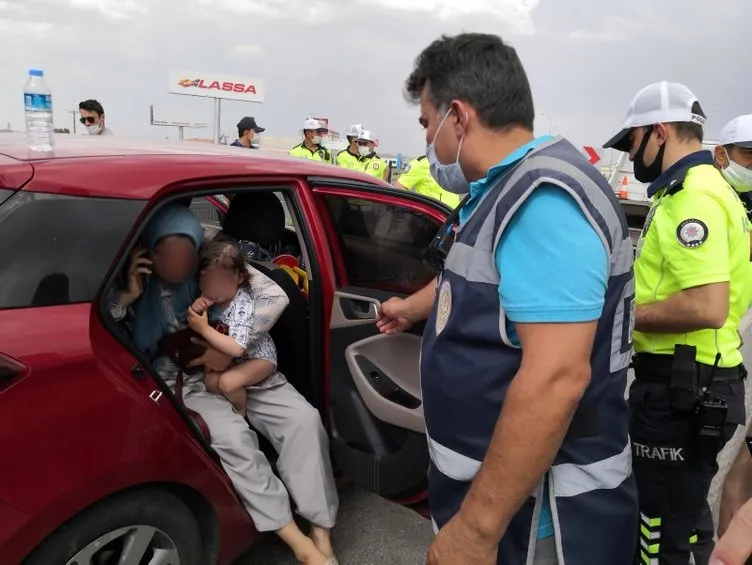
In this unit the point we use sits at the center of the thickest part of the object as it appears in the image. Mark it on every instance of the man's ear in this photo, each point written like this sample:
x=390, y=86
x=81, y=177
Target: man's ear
x=661, y=132
x=721, y=158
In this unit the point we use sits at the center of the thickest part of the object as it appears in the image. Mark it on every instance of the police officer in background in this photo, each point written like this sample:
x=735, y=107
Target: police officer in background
x=248, y=131
x=691, y=261
x=312, y=146
x=350, y=158
x=733, y=157
x=370, y=163
x=417, y=178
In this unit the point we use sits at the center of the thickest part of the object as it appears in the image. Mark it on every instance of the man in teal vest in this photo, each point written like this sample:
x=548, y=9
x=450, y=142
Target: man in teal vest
x=528, y=340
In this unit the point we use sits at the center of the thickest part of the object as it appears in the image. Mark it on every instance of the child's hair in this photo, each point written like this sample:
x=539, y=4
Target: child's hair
x=224, y=255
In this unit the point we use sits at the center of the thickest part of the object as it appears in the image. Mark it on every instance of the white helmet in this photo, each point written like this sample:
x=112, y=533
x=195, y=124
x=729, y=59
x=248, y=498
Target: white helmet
x=366, y=135
x=354, y=130
x=310, y=123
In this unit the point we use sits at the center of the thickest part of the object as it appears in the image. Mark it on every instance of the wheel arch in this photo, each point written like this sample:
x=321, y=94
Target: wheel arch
x=200, y=508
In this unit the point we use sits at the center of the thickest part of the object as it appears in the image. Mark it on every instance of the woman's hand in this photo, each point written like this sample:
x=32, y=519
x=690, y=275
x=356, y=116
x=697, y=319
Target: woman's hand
x=199, y=323
x=212, y=359
x=138, y=269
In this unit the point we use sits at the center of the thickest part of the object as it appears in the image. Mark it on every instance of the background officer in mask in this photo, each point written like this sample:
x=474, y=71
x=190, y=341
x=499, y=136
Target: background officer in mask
x=692, y=259
x=733, y=157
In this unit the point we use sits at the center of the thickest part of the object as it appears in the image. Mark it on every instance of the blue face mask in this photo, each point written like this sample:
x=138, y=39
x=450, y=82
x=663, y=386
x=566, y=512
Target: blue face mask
x=449, y=177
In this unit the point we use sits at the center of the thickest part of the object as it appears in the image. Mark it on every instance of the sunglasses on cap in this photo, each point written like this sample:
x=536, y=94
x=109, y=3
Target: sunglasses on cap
x=87, y=120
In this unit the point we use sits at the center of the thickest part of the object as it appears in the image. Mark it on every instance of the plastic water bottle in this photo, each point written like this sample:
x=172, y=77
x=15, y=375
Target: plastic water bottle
x=40, y=131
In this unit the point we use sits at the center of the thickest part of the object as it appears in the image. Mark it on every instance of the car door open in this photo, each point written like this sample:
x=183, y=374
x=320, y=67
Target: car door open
x=376, y=419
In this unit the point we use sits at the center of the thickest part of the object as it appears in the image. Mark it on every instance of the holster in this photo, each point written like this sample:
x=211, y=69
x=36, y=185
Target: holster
x=684, y=385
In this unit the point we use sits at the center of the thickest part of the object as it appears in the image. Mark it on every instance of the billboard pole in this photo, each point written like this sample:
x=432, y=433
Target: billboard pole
x=178, y=124
x=217, y=119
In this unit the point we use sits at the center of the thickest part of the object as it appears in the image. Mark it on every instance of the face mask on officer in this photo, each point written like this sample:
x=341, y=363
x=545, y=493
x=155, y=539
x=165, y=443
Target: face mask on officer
x=316, y=139
x=449, y=177
x=364, y=150
x=738, y=176
x=644, y=172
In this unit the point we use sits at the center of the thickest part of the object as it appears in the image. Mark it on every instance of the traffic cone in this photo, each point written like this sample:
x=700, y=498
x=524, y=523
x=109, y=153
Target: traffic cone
x=623, y=192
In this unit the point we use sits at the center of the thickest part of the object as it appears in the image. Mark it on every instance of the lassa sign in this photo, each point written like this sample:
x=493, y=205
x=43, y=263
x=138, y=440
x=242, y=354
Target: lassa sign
x=212, y=85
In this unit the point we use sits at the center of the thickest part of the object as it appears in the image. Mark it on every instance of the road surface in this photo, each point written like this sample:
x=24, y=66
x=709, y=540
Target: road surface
x=372, y=531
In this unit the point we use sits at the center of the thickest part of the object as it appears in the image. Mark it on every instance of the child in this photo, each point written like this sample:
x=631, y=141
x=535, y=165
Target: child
x=223, y=279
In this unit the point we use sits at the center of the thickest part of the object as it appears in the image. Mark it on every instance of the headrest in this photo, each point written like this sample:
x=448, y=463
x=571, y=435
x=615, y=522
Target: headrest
x=257, y=217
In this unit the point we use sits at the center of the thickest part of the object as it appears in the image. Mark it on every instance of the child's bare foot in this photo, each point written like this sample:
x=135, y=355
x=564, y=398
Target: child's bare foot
x=322, y=539
x=304, y=548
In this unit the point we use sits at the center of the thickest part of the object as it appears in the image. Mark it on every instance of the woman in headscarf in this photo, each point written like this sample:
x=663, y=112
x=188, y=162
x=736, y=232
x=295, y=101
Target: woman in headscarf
x=161, y=287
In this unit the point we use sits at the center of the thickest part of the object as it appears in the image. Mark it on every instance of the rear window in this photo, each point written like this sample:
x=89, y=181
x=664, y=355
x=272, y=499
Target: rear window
x=56, y=249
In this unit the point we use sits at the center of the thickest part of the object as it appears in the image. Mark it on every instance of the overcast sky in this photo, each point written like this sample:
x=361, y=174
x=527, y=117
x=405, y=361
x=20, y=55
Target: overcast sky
x=348, y=59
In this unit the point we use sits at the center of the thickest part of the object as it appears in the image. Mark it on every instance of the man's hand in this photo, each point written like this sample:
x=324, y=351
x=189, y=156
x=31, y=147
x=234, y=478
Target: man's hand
x=458, y=544
x=737, y=487
x=735, y=546
x=212, y=359
x=394, y=316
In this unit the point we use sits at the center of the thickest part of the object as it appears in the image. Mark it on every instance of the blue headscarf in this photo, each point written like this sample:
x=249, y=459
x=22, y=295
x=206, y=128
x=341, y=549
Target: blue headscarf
x=150, y=321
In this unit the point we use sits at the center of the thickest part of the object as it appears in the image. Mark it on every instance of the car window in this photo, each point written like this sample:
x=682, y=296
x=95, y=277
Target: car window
x=383, y=244
x=210, y=217
x=56, y=249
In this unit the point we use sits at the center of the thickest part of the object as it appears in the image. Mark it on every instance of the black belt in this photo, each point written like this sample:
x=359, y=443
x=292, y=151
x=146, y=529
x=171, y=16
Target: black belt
x=654, y=368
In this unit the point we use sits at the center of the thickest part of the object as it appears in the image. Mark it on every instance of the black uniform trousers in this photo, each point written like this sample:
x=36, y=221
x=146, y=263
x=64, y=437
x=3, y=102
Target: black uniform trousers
x=675, y=518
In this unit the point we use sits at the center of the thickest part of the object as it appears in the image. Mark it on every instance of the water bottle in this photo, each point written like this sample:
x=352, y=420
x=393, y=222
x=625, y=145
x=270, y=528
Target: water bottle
x=40, y=131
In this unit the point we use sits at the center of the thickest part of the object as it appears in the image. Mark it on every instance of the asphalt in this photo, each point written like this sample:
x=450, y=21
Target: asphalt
x=372, y=531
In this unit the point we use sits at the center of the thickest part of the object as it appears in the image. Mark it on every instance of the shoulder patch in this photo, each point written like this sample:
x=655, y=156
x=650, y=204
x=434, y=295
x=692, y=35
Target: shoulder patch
x=375, y=166
x=692, y=233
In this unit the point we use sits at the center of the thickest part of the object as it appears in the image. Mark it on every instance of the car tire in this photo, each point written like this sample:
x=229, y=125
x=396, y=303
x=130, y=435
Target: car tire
x=119, y=524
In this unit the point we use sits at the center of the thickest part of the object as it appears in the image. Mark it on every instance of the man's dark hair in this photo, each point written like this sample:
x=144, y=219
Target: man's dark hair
x=479, y=69
x=690, y=131
x=91, y=106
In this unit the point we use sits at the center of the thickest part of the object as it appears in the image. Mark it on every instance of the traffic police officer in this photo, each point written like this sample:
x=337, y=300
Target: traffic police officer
x=691, y=260
x=350, y=158
x=370, y=163
x=248, y=131
x=523, y=370
x=417, y=178
x=312, y=148
x=733, y=157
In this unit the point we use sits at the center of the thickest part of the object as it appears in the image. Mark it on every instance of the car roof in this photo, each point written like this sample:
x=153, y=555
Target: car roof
x=127, y=163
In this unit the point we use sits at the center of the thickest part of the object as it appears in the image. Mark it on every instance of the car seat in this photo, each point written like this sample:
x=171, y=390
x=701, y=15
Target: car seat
x=260, y=218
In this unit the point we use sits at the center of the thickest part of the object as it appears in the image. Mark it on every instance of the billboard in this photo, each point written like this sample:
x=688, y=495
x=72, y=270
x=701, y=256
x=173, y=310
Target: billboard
x=214, y=85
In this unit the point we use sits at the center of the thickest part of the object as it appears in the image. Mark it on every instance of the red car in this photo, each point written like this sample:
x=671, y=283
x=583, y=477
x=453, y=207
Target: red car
x=100, y=464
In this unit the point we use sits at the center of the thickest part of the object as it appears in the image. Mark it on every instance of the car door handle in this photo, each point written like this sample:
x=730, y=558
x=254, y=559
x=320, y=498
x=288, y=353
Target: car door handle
x=355, y=309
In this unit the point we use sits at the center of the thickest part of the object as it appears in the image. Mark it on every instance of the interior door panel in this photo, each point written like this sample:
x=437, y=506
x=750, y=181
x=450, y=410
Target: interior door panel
x=386, y=372
x=375, y=412
x=380, y=240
